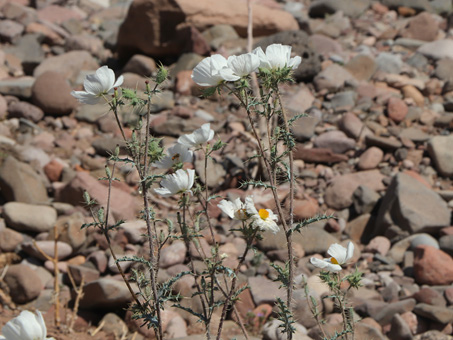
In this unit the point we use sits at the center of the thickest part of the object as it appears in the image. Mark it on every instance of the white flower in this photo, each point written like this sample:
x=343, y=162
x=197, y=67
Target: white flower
x=240, y=66
x=96, y=85
x=277, y=56
x=26, y=326
x=177, y=183
x=339, y=256
x=207, y=72
x=263, y=219
x=236, y=209
x=198, y=137
x=178, y=153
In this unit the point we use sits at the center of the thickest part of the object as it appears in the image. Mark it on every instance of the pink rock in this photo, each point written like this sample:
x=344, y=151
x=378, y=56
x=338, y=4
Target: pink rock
x=429, y=296
x=305, y=208
x=449, y=295
x=370, y=159
x=432, y=266
x=184, y=83
x=397, y=109
x=53, y=170
x=422, y=27
x=23, y=282
x=25, y=110
x=142, y=65
x=379, y=244
x=58, y=14
x=173, y=254
x=335, y=140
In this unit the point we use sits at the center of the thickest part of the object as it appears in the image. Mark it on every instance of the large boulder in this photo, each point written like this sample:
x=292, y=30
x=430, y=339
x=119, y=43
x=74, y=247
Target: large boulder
x=164, y=25
x=412, y=206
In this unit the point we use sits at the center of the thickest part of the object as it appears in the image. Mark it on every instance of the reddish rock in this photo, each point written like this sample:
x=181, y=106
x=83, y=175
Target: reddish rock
x=449, y=295
x=397, y=109
x=58, y=14
x=370, y=159
x=305, y=208
x=142, y=65
x=318, y=155
x=53, y=170
x=184, y=83
x=362, y=67
x=335, y=140
x=379, y=244
x=429, y=296
x=9, y=240
x=23, y=282
x=25, y=110
x=52, y=93
x=432, y=266
x=50, y=36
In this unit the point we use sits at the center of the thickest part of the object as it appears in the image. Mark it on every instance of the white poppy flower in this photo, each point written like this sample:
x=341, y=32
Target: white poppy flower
x=339, y=255
x=207, y=72
x=96, y=85
x=236, y=209
x=177, y=183
x=277, y=56
x=26, y=326
x=263, y=219
x=198, y=137
x=178, y=153
x=240, y=66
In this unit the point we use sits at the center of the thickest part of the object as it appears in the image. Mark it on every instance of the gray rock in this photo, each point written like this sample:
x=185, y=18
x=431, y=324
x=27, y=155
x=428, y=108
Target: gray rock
x=187, y=61
x=364, y=199
x=401, y=206
x=173, y=254
x=105, y=293
x=264, y=290
x=439, y=314
x=424, y=239
x=333, y=78
x=28, y=50
x=112, y=323
x=439, y=148
x=25, y=110
x=19, y=87
x=321, y=8
x=335, y=140
x=438, y=49
x=444, y=69
x=389, y=62
x=29, y=217
x=48, y=248
x=385, y=315
x=383, y=142
x=344, y=101
x=215, y=174
x=446, y=244
x=78, y=272
x=300, y=43
x=23, y=282
x=399, y=249
x=218, y=34
x=414, y=134
x=105, y=146
x=9, y=239
x=400, y=329
x=140, y=64
x=10, y=30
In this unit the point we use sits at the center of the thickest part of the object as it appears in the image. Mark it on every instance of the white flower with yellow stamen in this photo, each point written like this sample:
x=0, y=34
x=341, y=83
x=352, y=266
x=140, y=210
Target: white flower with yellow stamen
x=176, y=154
x=236, y=209
x=178, y=183
x=277, y=56
x=339, y=256
x=198, y=137
x=264, y=219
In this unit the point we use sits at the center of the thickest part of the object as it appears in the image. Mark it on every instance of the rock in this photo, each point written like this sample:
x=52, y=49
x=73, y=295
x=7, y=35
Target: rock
x=28, y=50
x=444, y=69
x=335, y=140
x=401, y=206
x=29, y=217
x=364, y=199
x=68, y=64
x=432, y=266
x=417, y=5
x=306, y=208
x=176, y=328
x=339, y=193
x=173, y=254
x=414, y=134
x=218, y=34
x=397, y=109
x=147, y=17
x=53, y=170
x=86, y=42
x=343, y=101
x=69, y=230
x=430, y=296
x=112, y=323
x=439, y=314
x=58, y=14
x=122, y=204
x=10, y=30
x=48, y=248
x=445, y=243
x=105, y=293
x=264, y=290
x=23, y=282
x=378, y=244
x=423, y=239
x=438, y=49
x=362, y=67
x=215, y=174
x=389, y=62
x=325, y=46
x=421, y=27
x=385, y=315
x=52, y=93
x=9, y=240
x=318, y=155
x=80, y=271
x=442, y=154
x=370, y=159
x=300, y=44
x=321, y=8
x=314, y=239
x=399, y=329
x=140, y=64
x=383, y=142
x=19, y=87
x=333, y=78
x=352, y=125
x=25, y=110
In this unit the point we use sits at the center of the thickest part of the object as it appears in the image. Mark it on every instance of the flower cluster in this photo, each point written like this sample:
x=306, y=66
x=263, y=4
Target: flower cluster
x=214, y=70
x=339, y=256
x=26, y=326
x=264, y=219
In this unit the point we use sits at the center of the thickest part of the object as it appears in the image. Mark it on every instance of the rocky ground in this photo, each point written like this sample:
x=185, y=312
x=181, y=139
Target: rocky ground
x=377, y=84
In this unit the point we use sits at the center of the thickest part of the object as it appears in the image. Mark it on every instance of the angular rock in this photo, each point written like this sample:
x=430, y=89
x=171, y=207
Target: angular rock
x=362, y=67
x=318, y=155
x=432, y=266
x=335, y=140
x=52, y=93
x=264, y=290
x=401, y=206
x=23, y=282
x=20, y=87
x=25, y=110
x=385, y=315
x=9, y=239
x=439, y=148
x=29, y=217
x=430, y=296
x=69, y=230
x=400, y=329
x=339, y=193
x=333, y=78
x=421, y=27
x=105, y=293
x=150, y=17
x=442, y=315
x=365, y=199
x=438, y=49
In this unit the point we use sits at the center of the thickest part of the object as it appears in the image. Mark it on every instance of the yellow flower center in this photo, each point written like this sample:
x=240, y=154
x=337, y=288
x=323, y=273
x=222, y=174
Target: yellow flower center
x=263, y=214
x=175, y=156
x=334, y=260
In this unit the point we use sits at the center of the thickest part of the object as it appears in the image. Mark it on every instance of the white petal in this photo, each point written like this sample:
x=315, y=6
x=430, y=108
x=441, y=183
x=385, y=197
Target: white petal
x=201, y=74
x=187, y=140
x=227, y=207
x=325, y=264
x=228, y=74
x=119, y=81
x=191, y=175
x=218, y=62
x=349, y=251
x=294, y=62
x=264, y=62
x=85, y=97
x=338, y=252
x=93, y=85
x=163, y=192
x=106, y=77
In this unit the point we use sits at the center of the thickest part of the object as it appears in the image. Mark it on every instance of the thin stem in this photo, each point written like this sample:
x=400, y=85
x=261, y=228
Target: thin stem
x=226, y=304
